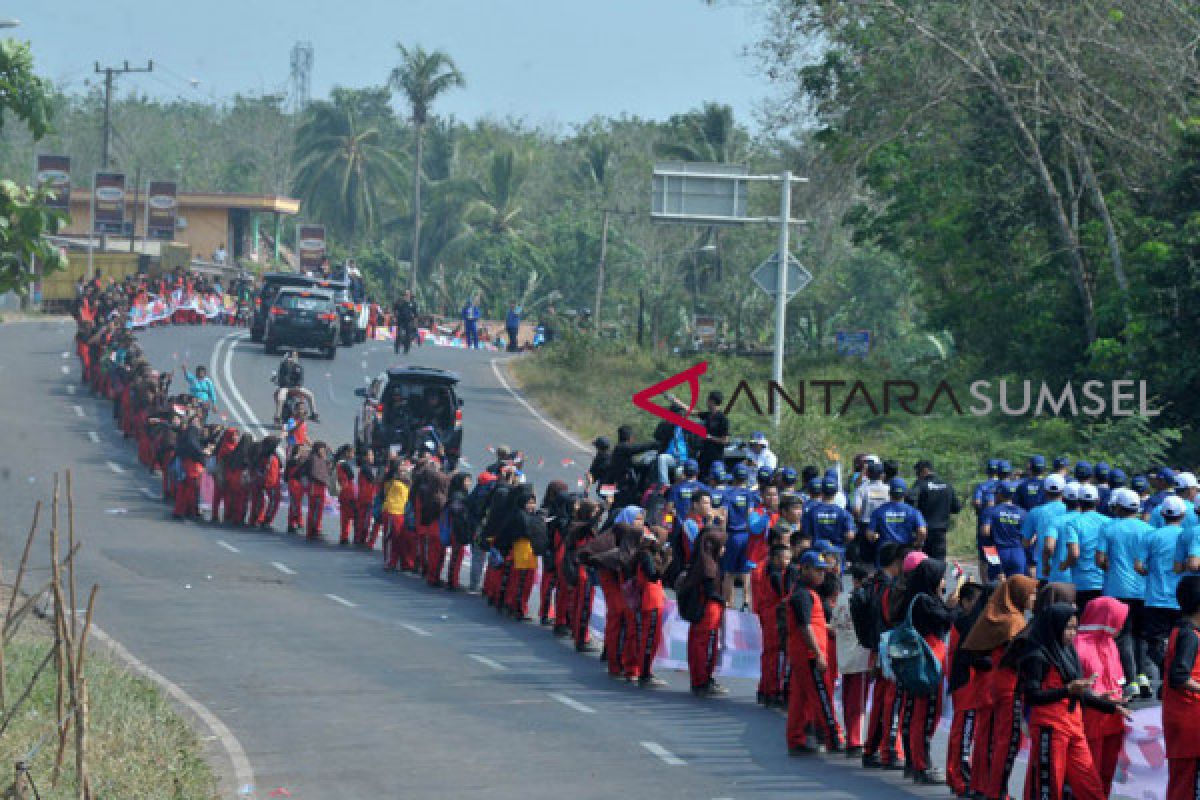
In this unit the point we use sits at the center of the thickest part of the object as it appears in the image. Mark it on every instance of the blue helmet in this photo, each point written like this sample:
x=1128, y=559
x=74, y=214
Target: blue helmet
x=1083, y=470
x=897, y=486
x=764, y=476
x=1004, y=467
x=1061, y=461
x=814, y=487
x=1037, y=463
x=993, y=466
x=1102, y=471
x=691, y=467
x=828, y=485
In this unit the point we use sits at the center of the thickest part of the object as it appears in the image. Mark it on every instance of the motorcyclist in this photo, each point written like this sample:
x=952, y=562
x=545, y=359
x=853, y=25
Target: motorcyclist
x=290, y=378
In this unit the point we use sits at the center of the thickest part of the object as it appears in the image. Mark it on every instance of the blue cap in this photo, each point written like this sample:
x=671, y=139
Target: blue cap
x=764, y=475
x=1116, y=477
x=1004, y=489
x=790, y=475
x=811, y=558
x=1061, y=461
x=814, y=486
x=829, y=485
x=741, y=472
x=993, y=464
x=1083, y=470
x=1139, y=483
x=825, y=547
x=717, y=470
x=1037, y=462
x=691, y=467
x=1101, y=470
x=1004, y=467
x=1165, y=474
x=897, y=486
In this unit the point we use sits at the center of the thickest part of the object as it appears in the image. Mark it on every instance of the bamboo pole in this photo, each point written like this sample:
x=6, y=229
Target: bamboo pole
x=71, y=549
x=12, y=601
x=21, y=782
x=81, y=715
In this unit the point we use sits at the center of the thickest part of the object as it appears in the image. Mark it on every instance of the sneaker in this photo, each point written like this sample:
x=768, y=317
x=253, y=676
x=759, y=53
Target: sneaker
x=896, y=766
x=651, y=682
x=546, y=621
x=716, y=690
x=929, y=777
x=801, y=750
x=854, y=751
x=871, y=761
x=562, y=631
x=585, y=647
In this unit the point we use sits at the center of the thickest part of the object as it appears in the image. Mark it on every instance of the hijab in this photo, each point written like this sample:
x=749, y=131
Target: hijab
x=1053, y=593
x=960, y=667
x=629, y=515
x=1096, y=643
x=1003, y=617
x=1045, y=640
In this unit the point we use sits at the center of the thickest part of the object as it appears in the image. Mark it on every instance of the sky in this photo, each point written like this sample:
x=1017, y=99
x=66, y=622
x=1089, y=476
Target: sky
x=548, y=62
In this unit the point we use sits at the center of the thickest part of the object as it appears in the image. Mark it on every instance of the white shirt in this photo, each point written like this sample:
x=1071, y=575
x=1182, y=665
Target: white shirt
x=764, y=459
x=870, y=496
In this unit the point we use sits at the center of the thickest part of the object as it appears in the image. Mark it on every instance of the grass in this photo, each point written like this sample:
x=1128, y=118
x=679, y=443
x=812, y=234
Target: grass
x=138, y=747
x=588, y=387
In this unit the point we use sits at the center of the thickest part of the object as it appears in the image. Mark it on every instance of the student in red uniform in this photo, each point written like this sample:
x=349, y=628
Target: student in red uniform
x=320, y=480
x=1181, y=695
x=458, y=518
x=237, y=478
x=810, y=695
x=648, y=570
x=579, y=535
x=293, y=474
x=347, y=491
x=611, y=553
x=758, y=549
x=964, y=683
x=1103, y=618
x=883, y=748
x=432, y=492
x=556, y=507
x=998, y=721
x=368, y=485
x=1055, y=689
x=226, y=446
x=854, y=664
x=704, y=576
x=768, y=597
x=270, y=484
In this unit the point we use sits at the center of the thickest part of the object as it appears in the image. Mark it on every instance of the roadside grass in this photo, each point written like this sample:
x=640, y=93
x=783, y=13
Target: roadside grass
x=138, y=746
x=588, y=385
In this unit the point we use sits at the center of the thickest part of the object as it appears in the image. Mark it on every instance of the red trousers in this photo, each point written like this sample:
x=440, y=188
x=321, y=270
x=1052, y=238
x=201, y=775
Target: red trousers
x=704, y=644
x=1059, y=756
x=493, y=584
x=549, y=592
x=854, y=705
x=1183, y=778
x=979, y=779
x=631, y=656
x=265, y=506
x=394, y=526
x=457, y=553
x=769, y=685
x=362, y=518
x=519, y=590
x=650, y=625
x=921, y=715
x=316, y=508
x=435, y=555
x=614, y=620
x=236, y=504
x=883, y=726
x=565, y=599
x=810, y=699
x=581, y=618
x=187, y=493
x=347, y=511
x=295, y=516
x=220, y=499
x=959, y=748
x=1106, y=739
x=1006, y=739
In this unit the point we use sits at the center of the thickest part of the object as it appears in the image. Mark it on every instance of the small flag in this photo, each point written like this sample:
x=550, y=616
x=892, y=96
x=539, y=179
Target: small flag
x=541, y=461
x=567, y=462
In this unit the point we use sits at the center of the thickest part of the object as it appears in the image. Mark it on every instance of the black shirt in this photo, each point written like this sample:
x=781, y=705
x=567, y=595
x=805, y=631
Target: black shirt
x=1186, y=645
x=936, y=500
x=406, y=313
x=716, y=424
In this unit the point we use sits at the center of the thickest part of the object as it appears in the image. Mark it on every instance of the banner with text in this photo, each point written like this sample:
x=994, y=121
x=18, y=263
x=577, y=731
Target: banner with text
x=162, y=204
x=108, y=202
x=54, y=173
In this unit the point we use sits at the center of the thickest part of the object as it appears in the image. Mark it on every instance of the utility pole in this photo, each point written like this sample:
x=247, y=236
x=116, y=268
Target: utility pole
x=109, y=73
x=600, y=272
x=781, y=299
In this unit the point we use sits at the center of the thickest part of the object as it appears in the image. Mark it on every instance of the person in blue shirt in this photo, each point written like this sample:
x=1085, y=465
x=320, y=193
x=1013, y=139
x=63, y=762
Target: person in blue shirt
x=1182, y=492
x=738, y=501
x=1037, y=530
x=201, y=387
x=1163, y=482
x=896, y=521
x=1100, y=474
x=1117, y=554
x=680, y=495
x=512, y=326
x=1116, y=480
x=763, y=478
x=1081, y=536
x=1187, y=552
x=1156, y=562
x=824, y=520
x=1001, y=530
x=1004, y=472
x=718, y=484
x=471, y=314
x=1029, y=491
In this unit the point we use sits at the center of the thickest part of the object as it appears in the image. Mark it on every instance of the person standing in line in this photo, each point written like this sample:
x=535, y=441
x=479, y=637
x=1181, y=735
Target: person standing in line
x=1181, y=695
x=704, y=576
x=854, y=664
x=883, y=748
x=897, y=521
x=512, y=327
x=471, y=315
x=368, y=486
x=1082, y=531
x=347, y=491
x=1116, y=554
x=963, y=684
x=320, y=481
x=810, y=693
x=1156, y=562
x=772, y=594
x=648, y=569
x=405, y=316
x=937, y=502
x=1038, y=531
x=1001, y=530
x=1096, y=644
x=1029, y=493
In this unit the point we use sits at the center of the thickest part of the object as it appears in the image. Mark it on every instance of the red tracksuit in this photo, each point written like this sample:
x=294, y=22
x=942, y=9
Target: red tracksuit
x=1059, y=754
x=236, y=496
x=549, y=598
x=767, y=596
x=614, y=619
x=811, y=693
x=518, y=588
x=883, y=728
x=998, y=743
x=922, y=714
x=268, y=493
x=429, y=538
x=651, y=612
x=1106, y=739
x=968, y=700
x=296, y=495
x=347, y=499
x=393, y=525
x=1180, y=711
x=704, y=640
x=187, y=493
x=316, y=508
x=366, y=501
x=221, y=494
x=855, y=688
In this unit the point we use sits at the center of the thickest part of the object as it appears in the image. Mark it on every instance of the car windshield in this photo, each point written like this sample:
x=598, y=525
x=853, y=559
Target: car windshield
x=300, y=302
x=419, y=404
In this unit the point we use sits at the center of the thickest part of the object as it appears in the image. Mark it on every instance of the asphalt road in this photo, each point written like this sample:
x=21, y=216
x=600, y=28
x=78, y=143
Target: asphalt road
x=341, y=681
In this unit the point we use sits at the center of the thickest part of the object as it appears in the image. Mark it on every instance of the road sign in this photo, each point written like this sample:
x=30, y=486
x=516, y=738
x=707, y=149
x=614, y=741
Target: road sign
x=699, y=193
x=853, y=343
x=766, y=276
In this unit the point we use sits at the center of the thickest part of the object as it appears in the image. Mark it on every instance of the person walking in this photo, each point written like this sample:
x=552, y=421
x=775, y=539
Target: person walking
x=512, y=326
x=471, y=315
x=937, y=502
x=405, y=315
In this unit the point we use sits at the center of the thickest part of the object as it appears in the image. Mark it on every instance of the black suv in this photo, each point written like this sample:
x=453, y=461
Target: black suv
x=406, y=407
x=273, y=282
x=302, y=318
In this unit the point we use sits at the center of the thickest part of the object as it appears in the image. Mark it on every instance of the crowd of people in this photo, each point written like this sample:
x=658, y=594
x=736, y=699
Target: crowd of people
x=1088, y=594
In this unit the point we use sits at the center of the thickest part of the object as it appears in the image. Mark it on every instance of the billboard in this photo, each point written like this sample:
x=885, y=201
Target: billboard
x=161, y=208
x=108, y=202
x=310, y=247
x=54, y=173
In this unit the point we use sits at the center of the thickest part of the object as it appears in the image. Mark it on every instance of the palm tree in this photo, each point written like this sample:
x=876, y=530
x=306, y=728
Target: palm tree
x=494, y=208
x=422, y=76
x=345, y=173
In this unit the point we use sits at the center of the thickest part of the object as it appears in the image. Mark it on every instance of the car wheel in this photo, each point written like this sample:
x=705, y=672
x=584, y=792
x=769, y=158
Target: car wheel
x=256, y=334
x=347, y=339
x=270, y=348
x=360, y=336
x=331, y=351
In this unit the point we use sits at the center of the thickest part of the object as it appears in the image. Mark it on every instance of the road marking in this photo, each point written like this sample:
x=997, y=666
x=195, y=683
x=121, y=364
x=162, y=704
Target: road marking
x=78, y=411
x=571, y=703
x=153, y=495
x=487, y=662
x=668, y=758
x=571, y=440
x=65, y=354
x=284, y=568
x=66, y=370
x=115, y=467
x=418, y=631
x=71, y=389
x=95, y=437
x=248, y=420
x=228, y=546
x=342, y=601
x=243, y=772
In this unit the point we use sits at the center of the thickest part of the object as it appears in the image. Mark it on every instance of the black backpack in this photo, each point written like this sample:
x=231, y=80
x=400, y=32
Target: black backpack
x=688, y=598
x=866, y=612
x=476, y=506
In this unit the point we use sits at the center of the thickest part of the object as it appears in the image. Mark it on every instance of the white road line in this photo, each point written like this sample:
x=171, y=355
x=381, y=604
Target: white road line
x=418, y=631
x=71, y=389
x=571, y=440
x=668, y=758
x=228, y=546
x=66, y=370
x=95, y=437
x=153, y=495
x=341, y=600
x=78, y=410
x=571, y=703
x=487, y=662
x=284, y=568
x=115, y=467
x=243, y=772
x=66, y=354
x=250, y=420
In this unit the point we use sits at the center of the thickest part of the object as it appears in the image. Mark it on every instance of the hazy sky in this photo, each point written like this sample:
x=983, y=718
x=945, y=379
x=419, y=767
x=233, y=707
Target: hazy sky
x=545, y=61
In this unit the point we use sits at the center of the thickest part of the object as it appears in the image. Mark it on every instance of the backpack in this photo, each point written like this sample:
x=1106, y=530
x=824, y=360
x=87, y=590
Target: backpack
x=918, y=671
x=476, y=505
x=687, y=599
x=866, y=614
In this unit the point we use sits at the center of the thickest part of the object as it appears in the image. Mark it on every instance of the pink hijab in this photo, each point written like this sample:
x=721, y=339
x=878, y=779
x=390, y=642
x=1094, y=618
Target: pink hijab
x=913, y=559
x=1096, y=644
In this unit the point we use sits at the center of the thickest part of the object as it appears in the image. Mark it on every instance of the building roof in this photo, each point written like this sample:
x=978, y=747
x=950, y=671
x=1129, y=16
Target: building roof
x=275, y=203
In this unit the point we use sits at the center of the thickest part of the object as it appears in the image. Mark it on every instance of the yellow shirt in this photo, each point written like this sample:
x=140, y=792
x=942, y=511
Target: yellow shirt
x=395, y=497
x=522, y=554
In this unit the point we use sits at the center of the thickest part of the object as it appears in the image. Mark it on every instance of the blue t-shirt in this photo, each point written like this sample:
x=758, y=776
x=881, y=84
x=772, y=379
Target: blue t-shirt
x=1122, y=542
x=1085, y=529
x=1158, y=556
x=1188, y=546
x=739, y=500
x=718, y=495
x=1044, y=523
x=1005, y=521
x=202, y=388
x=827, y=521
x=681, y=495
x=512, y=319
x=1189, y=516
x=984, y=494
x=1029, y=493
x=896, y=522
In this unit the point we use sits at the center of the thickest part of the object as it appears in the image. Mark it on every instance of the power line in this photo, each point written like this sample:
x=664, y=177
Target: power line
x=110, y=73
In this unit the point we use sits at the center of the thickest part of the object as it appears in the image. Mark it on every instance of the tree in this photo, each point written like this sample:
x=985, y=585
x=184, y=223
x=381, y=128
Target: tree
x=345, y=173
x=24, y=216
x=422, y=77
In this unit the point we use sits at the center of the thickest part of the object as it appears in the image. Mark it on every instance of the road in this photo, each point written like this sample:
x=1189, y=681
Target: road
x=342, y=681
